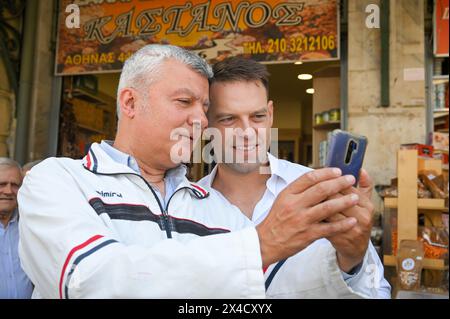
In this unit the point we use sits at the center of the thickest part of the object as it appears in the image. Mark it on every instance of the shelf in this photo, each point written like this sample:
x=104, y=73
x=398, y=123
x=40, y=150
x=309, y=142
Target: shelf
x=327, y=125
x=87, y=96
x=435, y=264
x=88, y=128
x=440, y=79
x=100, y=99
x=423, y=203
x=438, y=113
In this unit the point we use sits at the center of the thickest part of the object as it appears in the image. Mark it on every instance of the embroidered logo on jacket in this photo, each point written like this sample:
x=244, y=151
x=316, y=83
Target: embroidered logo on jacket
x=109, y=194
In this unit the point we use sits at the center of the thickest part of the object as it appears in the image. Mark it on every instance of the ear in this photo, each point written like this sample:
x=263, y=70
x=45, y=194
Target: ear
x=127, y=100
x=270, y=114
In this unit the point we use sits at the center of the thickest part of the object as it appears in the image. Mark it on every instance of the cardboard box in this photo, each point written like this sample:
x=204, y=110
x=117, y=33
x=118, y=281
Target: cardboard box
x=439, y=141
x=422, y=149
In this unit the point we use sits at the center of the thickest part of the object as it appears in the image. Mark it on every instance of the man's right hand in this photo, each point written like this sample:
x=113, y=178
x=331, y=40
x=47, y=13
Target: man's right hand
x=297, y=215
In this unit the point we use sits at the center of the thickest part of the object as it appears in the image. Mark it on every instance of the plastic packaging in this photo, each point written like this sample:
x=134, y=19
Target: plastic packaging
x=409, y=264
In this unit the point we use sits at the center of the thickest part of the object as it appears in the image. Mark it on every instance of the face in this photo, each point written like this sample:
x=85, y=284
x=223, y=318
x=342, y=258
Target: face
x=162, y=119
x=241, y=107
x=10, y=181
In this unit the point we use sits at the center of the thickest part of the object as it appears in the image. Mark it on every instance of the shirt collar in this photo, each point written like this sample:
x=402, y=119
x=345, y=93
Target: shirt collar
x=14, y=218
x=276, y=170
x=119, y=156
x=103, y=158
x=278, y=174
x=176, y=174
x=208, y=179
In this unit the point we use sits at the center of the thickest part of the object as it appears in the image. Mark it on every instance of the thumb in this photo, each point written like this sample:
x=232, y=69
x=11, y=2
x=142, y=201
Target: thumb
x=365, y=185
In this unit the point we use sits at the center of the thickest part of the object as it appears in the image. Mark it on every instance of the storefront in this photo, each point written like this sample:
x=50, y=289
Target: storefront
x=378, y=69
x=300, y=43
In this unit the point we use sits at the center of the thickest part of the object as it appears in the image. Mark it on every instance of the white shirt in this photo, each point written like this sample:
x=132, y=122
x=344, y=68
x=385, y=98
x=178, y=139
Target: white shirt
x=282, y=174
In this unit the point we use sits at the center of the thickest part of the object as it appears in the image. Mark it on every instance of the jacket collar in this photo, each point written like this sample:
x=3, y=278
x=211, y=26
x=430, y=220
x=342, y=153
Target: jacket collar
x=98, y=161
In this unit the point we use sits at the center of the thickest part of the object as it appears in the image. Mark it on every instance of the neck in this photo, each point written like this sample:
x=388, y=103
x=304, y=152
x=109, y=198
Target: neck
x=149, y=171
x=5, y=217
x=243, y=190
x=232, y=179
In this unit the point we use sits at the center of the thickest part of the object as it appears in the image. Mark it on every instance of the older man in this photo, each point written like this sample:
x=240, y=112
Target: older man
x=342, y=266
x=14, y=283
x=125, y=222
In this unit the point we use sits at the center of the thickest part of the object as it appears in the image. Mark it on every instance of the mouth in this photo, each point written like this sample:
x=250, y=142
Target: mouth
x=185, y=137
x=247, y=148
x=7, y=199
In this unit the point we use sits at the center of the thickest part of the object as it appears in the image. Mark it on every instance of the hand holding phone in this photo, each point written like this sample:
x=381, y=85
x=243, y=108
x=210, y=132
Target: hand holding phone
x=346, y=151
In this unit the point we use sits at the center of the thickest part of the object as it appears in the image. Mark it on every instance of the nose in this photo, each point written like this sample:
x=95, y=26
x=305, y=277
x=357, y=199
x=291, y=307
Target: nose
x=198, y=116
x=247, y=132
x=246, y=124
x=7, y=189
x=247, y=127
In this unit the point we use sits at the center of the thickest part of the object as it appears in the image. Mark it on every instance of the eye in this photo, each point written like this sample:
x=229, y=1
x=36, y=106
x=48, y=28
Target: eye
x=226, y=120
x=260, y=117
x=184, y=101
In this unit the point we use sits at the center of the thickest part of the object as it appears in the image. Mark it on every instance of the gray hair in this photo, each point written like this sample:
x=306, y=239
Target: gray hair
x=5, y=161
x=142, y=68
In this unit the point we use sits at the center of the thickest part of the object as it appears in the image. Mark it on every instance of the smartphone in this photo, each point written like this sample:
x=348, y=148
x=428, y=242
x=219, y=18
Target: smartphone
x=346, y=151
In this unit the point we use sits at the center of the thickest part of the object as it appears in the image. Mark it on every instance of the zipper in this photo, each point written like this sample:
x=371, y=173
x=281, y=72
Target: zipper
x=166, y=210
x=164, y=214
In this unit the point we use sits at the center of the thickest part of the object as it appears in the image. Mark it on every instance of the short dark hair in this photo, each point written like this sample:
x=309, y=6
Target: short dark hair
x=240, y=69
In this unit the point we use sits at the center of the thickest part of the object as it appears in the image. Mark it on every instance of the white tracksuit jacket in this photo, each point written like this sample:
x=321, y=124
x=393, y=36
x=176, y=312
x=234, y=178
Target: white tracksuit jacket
x=93, y=228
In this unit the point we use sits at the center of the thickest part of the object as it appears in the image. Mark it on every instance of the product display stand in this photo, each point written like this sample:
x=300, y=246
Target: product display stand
x=409, y=206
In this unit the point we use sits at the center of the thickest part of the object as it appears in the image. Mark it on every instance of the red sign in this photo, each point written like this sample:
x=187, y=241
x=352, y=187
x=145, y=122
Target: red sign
x=441, y=27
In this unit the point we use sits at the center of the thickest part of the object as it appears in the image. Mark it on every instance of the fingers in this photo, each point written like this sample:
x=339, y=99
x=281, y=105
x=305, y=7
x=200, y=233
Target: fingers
x=335, y=217
x=364, y=200
x=323, y=230
x=362, y=211
x=330, y=207
x=325, y=189
x=365, y=183
x=312, y=178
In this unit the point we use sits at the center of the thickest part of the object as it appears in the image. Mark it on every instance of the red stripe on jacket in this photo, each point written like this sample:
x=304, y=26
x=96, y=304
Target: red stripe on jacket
x=73, y=251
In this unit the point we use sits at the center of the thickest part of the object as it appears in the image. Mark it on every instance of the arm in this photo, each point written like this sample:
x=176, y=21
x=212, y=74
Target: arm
x=315, y=273
x=369, y=280
x=299, y=276
x=67, y=251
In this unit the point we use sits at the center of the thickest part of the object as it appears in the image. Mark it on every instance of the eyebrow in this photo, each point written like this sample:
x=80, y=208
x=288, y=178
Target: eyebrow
x=10, y=182
x=191, y=94
x=261, y=110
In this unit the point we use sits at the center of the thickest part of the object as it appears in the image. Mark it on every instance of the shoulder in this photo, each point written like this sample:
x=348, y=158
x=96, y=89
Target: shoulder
x=53, y=163
x=53, y=169
x=291, y=171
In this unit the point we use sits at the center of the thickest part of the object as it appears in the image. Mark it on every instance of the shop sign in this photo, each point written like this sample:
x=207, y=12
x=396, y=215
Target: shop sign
x=441, y=28
x=107, y=32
